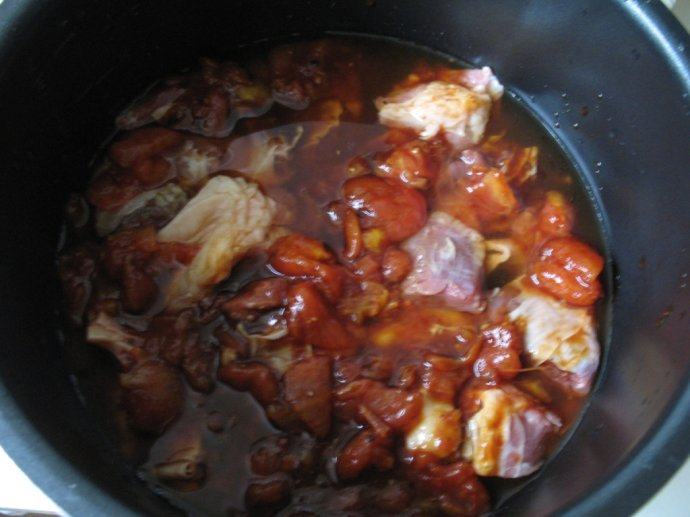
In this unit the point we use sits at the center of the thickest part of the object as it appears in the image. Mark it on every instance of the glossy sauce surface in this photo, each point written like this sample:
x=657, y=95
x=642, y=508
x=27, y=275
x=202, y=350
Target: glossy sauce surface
x=405, y=352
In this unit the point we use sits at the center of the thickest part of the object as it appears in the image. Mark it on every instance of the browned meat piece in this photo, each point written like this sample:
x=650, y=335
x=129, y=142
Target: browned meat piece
x=142, y=144
x=253, y=377
x=268, y=492
x=123, y=343
x=139, y=290
x=299, y=256
x=366, y=450
x=507, y=436
x=500, y=355
x=304, y=72
x=154, y=395
x=456, y=488
x=312, y=321
x=308, y=390
x=269, y=293
x=197, y=364
x=208, y=102
x=397, y=408
x=396, y=264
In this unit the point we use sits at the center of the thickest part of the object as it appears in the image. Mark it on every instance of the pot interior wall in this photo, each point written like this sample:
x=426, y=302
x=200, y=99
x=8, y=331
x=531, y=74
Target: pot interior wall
x=66, y=69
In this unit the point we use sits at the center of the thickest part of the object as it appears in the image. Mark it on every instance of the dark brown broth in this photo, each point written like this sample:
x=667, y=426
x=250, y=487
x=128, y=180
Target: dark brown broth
x=315, y=182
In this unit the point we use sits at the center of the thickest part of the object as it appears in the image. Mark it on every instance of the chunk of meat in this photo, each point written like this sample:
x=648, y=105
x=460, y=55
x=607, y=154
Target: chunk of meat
x=261, y=295
x=168, y=335
x=438, y=431
x=155, y=206
x=135, y=245
x=398, y=210
x=413, y=163
x=500, y=356
x=455, y=485
x=398, y=408
x=506, y=437
x=395, y=264
x=266, y=493
x=301, y=256
x=478, y=195
x=123, y=343
x=143, y=143
x=139, y=290
x=368, y=268
x=443, y=376
x=154, y=395
x=558, y=333
x=364, y=451
x=448, y=260
x=568, y=269
x=111, y=188
x=208, y=102
x=251, y=376
x=324, y=69
x=227, y=218
x=437, y=107
x=308, y=390
x=313, y=322
x=198, y=364
x=556, y=217
x=479, y=80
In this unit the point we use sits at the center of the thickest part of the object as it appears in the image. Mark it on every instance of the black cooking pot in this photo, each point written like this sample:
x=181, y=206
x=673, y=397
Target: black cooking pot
x=67, y=67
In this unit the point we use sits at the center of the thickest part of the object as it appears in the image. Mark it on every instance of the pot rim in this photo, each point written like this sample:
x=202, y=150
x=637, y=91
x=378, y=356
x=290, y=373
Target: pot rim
x=649, y=466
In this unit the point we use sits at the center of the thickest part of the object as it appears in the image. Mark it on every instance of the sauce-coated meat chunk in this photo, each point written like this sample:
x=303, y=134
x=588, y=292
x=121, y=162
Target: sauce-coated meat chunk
x=397, y=210
x=308, y=390
x=261, y=295
x=437, y=107
x=227, y=218
x=568, y=269
x=557, y=333
x=438, y=431
x=397, y=408
x=301, y=256
x=209, y=101
x=311, y=320
x=154, y=395
x=507, y=436
x=448, y=260
x=455, y=486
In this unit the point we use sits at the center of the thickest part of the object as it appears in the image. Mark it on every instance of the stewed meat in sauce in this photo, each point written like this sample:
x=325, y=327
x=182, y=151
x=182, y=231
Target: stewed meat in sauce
x=332, y=277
